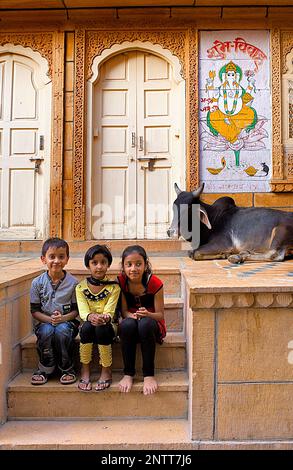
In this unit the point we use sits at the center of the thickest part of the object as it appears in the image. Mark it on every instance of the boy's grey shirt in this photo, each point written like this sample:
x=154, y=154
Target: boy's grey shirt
x=47, y=298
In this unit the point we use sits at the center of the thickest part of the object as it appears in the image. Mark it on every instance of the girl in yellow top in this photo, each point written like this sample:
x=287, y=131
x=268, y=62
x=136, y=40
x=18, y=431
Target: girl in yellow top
x=97, y=298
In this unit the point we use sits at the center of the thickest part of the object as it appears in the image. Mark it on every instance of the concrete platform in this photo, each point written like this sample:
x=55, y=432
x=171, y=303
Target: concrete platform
x=14, y=269
x=218, y=276
x=132, y=434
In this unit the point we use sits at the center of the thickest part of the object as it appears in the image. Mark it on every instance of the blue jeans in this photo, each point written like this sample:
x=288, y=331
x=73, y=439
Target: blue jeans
x=55, y=346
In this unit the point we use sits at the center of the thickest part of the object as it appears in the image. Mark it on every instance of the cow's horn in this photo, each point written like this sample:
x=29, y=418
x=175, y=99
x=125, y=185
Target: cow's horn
x=197, y=192
x=177, y=189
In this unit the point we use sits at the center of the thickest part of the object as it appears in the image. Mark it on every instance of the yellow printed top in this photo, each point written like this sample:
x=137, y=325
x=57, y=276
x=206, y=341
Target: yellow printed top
x=103, y=302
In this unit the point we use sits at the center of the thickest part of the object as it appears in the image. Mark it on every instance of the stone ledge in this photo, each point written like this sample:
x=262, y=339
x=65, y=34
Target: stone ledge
x=244, y=300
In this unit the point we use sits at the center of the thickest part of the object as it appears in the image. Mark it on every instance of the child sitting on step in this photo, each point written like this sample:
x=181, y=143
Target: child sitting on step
x=142, y=307
x=54, y=309
x=97, y=298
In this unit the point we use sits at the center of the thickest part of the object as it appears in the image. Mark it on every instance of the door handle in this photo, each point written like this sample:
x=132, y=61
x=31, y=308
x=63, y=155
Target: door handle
x=38, y=161
x=140, y=143
x=144, y=158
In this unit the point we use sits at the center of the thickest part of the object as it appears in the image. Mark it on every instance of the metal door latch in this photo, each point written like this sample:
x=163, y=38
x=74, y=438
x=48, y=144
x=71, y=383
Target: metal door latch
x=151, y=162
x=38, y=161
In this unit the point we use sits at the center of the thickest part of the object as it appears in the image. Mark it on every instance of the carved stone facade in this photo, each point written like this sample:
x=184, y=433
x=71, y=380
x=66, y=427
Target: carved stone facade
x=57, y=134
x=39, y=42
x=242, y=300
x=49, y=45
x=282, y=46
x=182, y=42
x=90, y=44
x=290, y=165
x=192, y=150
x=78, y=220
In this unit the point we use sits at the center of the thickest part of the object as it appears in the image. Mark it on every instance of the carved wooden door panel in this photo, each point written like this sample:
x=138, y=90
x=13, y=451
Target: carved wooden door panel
x=135, y=144
x=24, y=138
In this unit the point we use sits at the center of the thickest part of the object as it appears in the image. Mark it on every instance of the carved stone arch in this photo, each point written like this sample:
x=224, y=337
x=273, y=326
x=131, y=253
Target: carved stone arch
x=289, y=62
x=18, y=50
x=31, y=44
x=147, y=46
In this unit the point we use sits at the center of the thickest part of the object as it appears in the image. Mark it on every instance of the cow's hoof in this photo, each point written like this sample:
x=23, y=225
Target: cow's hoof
x=235, y=259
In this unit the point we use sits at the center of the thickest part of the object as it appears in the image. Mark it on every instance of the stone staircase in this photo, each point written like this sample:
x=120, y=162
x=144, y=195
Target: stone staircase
x=159, y=416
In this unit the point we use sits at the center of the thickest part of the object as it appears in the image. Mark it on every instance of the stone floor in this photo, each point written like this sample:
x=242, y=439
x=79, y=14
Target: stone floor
x=203, y=276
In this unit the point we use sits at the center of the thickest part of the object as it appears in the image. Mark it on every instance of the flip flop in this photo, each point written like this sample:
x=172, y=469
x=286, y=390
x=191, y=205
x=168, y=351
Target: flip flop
x=70, y=381
x=106, y=384
x=87, y=383
x=39, y=373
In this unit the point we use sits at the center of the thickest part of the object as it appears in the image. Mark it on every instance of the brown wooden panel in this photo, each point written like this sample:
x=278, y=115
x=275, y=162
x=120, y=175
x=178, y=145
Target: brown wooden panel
x=15, y=4
x=253, y=344
x=125, y=3
x=242, y=2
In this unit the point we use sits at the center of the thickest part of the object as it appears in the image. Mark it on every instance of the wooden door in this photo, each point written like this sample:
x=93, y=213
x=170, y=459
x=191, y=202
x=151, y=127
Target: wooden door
x=135, y=146
x=23, y=137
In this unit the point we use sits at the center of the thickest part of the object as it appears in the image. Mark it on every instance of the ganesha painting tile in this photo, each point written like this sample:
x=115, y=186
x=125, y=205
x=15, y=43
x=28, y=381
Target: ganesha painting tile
x=235, y=111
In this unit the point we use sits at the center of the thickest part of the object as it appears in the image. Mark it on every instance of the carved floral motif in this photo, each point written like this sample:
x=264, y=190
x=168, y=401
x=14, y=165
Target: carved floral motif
x=79, y=142
x=57, y=136
x=39, y=42
x=98, y=41
x=278, y=170
x=290, y=165
x=192, y=117
x=287, y=45
x=241, y=300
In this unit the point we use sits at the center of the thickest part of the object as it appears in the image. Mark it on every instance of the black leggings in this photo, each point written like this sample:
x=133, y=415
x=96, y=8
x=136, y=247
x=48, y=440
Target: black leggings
x=144, y=331
x=102, y=334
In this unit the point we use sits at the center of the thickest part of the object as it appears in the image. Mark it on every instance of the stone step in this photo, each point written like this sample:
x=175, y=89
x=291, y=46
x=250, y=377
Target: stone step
x=95, y=435
x=170, y=355
x=158, y=247
x=54, y=400
x=106, y=435
x=168, y=269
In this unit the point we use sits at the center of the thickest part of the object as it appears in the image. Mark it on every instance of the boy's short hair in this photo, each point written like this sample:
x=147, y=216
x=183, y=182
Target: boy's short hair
x=54, y=242
x=96, y=250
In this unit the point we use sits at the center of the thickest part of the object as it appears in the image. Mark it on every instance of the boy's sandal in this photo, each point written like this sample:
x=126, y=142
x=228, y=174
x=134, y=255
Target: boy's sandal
x=39, y=378
x=84, y=385
x=105, y=383
x=68, y=378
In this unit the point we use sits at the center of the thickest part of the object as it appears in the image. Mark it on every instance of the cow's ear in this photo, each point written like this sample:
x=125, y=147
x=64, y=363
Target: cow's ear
x=204, y=217
x=177, y=189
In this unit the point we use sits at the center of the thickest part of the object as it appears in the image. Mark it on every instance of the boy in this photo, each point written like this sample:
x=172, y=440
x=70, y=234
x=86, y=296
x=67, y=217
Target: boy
x=53, y=306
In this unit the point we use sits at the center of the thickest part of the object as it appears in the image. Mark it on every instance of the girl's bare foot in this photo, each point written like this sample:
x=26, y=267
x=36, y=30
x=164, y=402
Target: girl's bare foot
x=150, y=385
x=125, y=384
